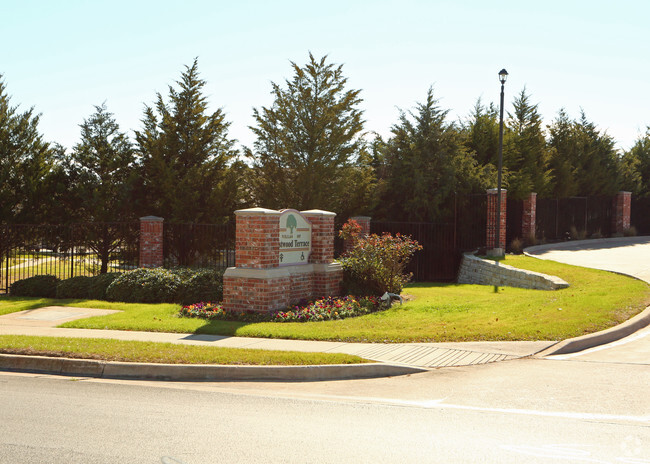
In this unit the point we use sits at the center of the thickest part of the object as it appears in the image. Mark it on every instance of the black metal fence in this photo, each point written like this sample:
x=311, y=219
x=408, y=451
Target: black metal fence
x=442, y=243
x=574, y=217
x=199, y=245
x=640, y=215
x=66, y=251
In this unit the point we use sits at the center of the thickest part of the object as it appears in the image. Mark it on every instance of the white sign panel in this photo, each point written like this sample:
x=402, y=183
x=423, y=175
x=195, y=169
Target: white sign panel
x=295, y=238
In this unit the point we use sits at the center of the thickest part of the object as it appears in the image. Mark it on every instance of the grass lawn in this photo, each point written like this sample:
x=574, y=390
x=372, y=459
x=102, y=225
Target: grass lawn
x=167, y=353
x=439, y=312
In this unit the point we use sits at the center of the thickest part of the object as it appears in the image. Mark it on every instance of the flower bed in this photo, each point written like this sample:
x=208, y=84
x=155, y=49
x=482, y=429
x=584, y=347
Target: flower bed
x=325, y=309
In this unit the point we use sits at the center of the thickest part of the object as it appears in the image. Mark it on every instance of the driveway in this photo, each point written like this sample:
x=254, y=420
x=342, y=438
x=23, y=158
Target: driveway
x=625, y=255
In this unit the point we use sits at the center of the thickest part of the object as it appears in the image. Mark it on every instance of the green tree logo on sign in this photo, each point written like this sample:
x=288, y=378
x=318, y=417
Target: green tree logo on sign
x=291, y=222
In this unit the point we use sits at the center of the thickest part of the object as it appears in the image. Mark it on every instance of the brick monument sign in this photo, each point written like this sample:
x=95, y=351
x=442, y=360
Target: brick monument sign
x=282, y=257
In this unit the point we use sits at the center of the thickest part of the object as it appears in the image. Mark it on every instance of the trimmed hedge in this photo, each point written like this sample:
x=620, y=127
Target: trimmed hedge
x=158, y=285
x=43, y=286
x=184, y=286
x=74, y=287
x=99, y=284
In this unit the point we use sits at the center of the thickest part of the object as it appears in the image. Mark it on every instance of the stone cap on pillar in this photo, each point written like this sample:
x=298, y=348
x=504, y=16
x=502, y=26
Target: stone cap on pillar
x=256, y=212
x=152, y=219
x=318, y=212
x=496, y=190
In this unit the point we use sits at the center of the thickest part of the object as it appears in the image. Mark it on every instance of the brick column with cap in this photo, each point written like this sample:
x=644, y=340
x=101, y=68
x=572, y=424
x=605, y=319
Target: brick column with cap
x=621, y=213
x=529, y=217
x=327, y=275
x=492, y=203
x=151, y=241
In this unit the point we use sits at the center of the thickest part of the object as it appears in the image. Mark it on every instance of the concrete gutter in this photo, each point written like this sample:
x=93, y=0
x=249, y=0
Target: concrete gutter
x=198, y=372
x=573, y=345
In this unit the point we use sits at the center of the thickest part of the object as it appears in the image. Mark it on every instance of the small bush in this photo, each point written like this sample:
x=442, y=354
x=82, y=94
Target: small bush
x=75, y=287
x=43, y=286
x=376, y=264
x=99, y=284
x=516, y=246
x=630, y=232
x=201, y=285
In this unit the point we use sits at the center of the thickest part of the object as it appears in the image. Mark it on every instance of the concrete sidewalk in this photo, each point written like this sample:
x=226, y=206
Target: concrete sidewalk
x=42, y=322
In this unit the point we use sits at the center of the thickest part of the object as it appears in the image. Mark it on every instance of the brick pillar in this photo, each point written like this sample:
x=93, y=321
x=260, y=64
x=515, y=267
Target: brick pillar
x=492, y=195
x=257, y=238
x=327, y=274
x=364, y=222
x=151, y=241
x=529, y=216
x=621, y=213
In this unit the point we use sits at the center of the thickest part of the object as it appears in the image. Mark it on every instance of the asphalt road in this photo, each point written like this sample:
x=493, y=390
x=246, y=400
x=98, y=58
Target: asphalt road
x=529, y=410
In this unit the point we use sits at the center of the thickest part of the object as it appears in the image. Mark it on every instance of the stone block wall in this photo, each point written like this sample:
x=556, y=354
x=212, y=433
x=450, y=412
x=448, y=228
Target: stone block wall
x=474, y=270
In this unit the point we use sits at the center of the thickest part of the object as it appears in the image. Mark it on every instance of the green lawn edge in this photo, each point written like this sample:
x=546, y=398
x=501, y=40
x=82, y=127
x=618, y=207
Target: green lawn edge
x=596, y=300
x=165, y=353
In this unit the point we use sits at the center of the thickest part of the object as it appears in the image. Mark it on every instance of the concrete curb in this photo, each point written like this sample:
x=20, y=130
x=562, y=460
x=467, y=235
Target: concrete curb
x=573, y=345
x=188, y=372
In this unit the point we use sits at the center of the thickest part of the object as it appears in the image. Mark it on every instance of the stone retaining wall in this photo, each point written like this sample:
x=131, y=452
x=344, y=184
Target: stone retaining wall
x=474, y=270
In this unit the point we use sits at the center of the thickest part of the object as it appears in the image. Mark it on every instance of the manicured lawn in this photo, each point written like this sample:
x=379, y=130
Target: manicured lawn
x=439, y=312
x=167, y=353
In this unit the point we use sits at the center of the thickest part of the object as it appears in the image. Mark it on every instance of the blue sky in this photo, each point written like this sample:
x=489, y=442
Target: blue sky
x=64, y=57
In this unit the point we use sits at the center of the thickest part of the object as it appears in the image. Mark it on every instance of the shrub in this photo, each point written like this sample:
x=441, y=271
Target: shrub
x=630, y=232
x=43, y=286
x=516, y=245
x=158, y=285
x=75, y=287
x=376, y=264
x=145, y=286
x=99, y=284
x=201, y=285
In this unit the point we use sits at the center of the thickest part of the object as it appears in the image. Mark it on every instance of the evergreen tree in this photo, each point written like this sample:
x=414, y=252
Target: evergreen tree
x=25, y=162
x=309, y=152
x=104, y=165
x=426, y=164
x=481, y=132
x=525, y=155
x=186, y=157
x=583, y=161
x=635, y=167
x=102, y=174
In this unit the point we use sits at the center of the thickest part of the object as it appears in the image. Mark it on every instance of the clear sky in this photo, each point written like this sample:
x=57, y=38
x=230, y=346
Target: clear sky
x=63, y=57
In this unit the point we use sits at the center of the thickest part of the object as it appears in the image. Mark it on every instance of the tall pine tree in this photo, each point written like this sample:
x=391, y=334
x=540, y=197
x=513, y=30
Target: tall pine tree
x=309, y=152
x=186, y=157
x=426, y=163
x=525, y=155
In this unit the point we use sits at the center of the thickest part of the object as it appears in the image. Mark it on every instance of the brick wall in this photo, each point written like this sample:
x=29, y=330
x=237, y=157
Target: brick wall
x=151, y=241
x=492, y=203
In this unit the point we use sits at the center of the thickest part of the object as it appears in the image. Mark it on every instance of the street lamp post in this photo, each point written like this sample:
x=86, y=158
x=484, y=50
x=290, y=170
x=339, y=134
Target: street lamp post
x=503, y=75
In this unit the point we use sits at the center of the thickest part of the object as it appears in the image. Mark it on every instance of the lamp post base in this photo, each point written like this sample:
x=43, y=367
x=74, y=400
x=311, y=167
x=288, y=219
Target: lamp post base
x=496, y=252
